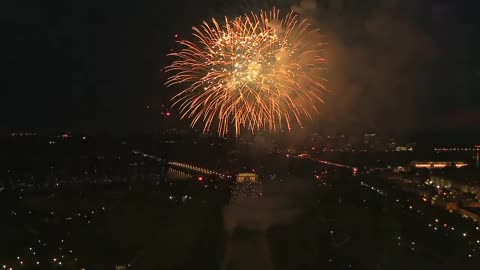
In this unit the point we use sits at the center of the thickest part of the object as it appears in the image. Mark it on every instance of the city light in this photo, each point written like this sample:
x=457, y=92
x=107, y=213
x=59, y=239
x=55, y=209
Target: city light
x=432, y=209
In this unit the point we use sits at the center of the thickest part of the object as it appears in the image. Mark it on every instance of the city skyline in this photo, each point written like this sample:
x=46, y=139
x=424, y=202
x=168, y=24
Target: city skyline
x=350, y=143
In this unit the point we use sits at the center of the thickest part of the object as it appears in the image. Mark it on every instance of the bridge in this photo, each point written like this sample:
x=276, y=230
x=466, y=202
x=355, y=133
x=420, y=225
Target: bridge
x=194, y=168
x=325, y=162
x=475, y=148
x=181, y=165
x=307, y=156
x=334, y=164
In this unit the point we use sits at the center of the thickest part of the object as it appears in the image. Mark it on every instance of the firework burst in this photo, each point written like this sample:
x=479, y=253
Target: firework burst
x=257, y=71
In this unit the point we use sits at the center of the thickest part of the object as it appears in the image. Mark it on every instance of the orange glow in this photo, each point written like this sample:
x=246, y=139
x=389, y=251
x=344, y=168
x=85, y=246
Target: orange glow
x=258, y=72
x=439, y=164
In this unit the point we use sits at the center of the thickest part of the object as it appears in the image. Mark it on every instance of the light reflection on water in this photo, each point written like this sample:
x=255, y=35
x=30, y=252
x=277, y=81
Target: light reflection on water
x=178, y=175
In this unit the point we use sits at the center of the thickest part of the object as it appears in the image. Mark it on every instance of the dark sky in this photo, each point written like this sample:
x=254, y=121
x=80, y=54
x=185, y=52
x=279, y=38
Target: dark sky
x=95, y=65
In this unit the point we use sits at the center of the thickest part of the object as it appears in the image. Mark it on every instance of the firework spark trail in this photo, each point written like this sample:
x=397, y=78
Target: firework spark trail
x=256, y=72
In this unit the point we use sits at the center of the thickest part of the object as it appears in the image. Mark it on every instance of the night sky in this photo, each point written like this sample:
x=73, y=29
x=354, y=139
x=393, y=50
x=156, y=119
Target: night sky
x=95, y=65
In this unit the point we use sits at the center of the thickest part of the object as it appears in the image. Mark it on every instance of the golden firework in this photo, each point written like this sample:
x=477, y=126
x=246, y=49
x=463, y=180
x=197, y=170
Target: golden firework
x=257, y=71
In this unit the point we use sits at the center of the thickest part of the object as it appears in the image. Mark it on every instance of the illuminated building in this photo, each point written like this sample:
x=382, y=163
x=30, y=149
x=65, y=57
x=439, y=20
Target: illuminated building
x=247, y=177
x=369, y=139
x=404, y=148
x=438, y=164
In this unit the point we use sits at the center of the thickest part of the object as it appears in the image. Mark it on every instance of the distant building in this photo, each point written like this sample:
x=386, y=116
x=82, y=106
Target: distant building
x=438, y=164
x=407, y=148
x=247, y=177
x=369, y=139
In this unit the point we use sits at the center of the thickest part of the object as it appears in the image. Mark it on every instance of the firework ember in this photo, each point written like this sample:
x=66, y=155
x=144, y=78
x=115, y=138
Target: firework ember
x=258, y=71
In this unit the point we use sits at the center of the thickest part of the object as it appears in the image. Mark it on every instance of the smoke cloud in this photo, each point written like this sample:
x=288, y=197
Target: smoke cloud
x=377, y=55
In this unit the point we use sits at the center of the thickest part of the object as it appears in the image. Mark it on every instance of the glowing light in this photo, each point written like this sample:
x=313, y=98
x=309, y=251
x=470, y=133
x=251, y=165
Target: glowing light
x=258, y=71
x=439, y=164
